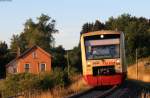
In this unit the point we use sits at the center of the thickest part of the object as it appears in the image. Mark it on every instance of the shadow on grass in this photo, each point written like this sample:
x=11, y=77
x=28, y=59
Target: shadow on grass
x=145, y=85
x=138, y=88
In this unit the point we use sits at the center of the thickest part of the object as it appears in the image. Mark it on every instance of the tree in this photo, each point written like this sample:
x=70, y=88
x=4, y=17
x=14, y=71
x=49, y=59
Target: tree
x=14, y=43
x=118, y=23
x=88, y=27
x=136, y=33
x=3, y=58
x=40, y=33
x=59, y=59
x=75, y=58
x=98, y=26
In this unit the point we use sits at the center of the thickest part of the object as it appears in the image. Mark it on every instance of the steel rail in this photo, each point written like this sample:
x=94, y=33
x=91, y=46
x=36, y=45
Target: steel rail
x=106, y=93
x=93, y=93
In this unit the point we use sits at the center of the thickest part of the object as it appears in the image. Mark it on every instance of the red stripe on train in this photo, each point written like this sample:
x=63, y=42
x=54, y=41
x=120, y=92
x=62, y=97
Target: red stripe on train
x=105, y=80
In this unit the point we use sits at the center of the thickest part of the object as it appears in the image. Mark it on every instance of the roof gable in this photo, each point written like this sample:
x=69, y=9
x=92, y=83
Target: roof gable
x=27, y=52
x=31, y=49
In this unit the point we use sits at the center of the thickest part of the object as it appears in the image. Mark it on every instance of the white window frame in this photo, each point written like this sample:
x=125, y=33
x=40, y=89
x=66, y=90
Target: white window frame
x=26, y=68
x=34, y=55
x=40, y=67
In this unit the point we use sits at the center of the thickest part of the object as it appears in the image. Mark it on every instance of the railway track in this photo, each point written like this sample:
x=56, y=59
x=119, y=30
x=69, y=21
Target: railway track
x=95, y=92
x=129, y=89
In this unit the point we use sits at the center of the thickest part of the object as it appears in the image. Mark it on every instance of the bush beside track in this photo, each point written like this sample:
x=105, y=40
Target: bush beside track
x=27, y=84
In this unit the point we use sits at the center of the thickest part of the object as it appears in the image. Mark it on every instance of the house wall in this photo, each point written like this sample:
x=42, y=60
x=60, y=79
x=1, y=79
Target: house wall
x=41, y=57
x=12, y=68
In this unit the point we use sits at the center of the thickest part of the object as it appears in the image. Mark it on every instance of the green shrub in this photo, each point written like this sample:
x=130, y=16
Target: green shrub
x=60, y=77
x=16, y=83
x=46, y=81
x=26, y=82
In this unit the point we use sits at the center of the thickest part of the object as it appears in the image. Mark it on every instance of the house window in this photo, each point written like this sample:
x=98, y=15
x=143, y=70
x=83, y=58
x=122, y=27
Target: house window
x=34, y=55
x=42, y=67
x=27, y=67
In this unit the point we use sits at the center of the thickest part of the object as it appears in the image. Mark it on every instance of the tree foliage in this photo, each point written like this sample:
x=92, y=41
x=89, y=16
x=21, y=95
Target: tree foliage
x=58, y=59
x=3, y=58
x=40, y=33
x=75, y=58
x=26, y=83
x=88, y=27
x=136, y=29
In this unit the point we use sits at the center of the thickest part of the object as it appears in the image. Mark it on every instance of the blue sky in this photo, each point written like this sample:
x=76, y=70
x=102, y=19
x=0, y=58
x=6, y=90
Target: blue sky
x=70, y=15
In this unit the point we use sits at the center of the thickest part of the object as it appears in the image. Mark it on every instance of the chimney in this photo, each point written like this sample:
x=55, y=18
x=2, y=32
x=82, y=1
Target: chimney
x=18, y=51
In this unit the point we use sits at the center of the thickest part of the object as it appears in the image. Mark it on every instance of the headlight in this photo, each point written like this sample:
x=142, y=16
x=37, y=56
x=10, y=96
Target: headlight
x=102, y=36
x=88, y=63
x=118, y=61
x=118, y=68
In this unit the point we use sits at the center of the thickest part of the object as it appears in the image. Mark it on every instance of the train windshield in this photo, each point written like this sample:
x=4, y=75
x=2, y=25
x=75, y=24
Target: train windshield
x=102, y=52
x=106, y=47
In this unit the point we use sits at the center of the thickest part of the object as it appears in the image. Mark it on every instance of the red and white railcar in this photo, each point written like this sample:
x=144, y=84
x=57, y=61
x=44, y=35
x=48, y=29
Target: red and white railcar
x=103, y=57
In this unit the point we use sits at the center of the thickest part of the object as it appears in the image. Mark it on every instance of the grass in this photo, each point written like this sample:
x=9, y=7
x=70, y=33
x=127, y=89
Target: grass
x=143, y=95
x=78, y=84
x=143, y=72
x=45, y=85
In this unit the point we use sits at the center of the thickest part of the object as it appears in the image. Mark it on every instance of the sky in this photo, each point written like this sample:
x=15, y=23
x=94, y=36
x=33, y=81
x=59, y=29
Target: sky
x=70, y=15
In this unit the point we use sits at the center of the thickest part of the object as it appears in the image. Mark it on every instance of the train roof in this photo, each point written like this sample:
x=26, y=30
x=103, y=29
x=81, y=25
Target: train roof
x=101, y=32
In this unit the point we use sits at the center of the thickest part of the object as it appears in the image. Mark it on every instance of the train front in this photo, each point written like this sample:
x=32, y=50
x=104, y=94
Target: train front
x=103, y=61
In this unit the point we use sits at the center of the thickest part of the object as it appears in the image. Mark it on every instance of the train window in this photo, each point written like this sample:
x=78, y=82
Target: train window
x=102, y=51
x=107, y=47
x=107, y=36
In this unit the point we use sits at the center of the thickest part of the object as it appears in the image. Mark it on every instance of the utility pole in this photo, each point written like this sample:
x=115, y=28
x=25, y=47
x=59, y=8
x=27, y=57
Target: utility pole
x=68, y=61
x=137, y=63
